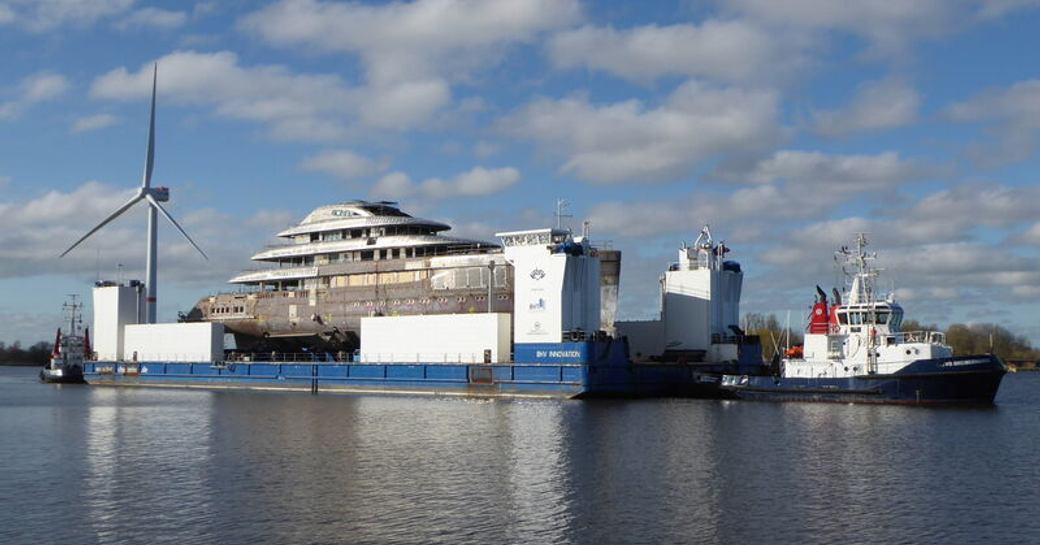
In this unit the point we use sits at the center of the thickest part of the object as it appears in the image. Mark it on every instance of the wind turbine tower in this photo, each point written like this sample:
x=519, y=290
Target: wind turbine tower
x=153, y=196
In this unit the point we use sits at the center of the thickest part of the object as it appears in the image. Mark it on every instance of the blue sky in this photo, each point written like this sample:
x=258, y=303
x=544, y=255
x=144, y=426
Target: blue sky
x=788, y=126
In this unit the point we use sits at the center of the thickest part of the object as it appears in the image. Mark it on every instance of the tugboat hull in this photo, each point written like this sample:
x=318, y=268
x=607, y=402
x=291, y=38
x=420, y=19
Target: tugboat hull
x=967, y=380
x=72, y=374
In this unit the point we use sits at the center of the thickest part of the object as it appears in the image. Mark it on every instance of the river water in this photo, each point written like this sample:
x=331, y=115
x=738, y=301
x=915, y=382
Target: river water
x=105, y=465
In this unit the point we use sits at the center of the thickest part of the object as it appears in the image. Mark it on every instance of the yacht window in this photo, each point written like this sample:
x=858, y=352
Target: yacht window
x=855, y=318
x=843, y=318
x=882, y=318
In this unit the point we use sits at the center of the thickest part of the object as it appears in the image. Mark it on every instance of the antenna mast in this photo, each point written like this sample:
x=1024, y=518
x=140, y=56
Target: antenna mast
x=561, y=205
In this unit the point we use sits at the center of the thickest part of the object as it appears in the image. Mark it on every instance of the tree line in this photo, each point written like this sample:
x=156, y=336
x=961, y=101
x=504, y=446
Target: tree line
x=37, y=354
x=963, y=338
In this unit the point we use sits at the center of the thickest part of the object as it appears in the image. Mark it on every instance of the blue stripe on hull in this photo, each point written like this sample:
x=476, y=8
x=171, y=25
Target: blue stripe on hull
x=958, y=380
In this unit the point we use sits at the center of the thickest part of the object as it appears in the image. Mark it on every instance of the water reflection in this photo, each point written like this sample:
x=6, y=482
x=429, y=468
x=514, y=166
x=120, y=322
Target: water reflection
x=171, y=466
x=537, y=472
x=145, y=458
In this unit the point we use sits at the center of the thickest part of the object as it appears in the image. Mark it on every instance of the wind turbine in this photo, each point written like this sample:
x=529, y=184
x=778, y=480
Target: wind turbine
x=153, y=196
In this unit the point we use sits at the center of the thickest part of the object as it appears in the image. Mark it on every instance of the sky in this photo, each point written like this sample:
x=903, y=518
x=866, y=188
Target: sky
x=787, y=126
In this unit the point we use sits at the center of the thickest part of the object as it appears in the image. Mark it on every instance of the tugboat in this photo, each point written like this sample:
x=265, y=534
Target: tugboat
x=70, y=350
x=857, y=352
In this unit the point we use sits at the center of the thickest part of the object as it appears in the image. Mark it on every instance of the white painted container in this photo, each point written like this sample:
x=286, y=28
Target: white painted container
x=194, y=342
x=115, y=306
x=443, y=338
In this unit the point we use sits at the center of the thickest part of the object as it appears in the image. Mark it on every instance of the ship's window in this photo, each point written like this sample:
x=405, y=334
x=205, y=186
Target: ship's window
x=897, y=319
x=882, y=318
x=395, y=253
x=843, y=318
x=855, y=318
x=366, y=255
x=443, y=280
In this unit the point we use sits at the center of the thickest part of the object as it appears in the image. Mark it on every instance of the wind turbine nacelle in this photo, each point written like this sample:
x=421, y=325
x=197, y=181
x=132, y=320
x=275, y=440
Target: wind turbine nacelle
x=161, y=194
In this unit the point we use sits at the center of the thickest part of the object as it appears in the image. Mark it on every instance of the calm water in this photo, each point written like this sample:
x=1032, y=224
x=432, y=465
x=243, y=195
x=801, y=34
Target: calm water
x=112, y=465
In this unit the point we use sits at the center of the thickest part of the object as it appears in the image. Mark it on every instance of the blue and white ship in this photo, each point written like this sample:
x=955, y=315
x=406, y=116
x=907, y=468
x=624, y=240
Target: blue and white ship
x=856, y=351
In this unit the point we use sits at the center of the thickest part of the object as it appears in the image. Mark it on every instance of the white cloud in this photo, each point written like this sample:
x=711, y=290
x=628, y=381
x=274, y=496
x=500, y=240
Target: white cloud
x=731, y=50
x=39, y=87
x=93, y=122
x=1030, y=236
x=152, y=18
x=484, y=149
x=887, y=25
x=411, y=51
x=476, y=182
x=830, y=176
x=889, y=28
x=884, y=104
x=344, y=164
x=294, y=106
x=34, y=232
x=627, y=141
x=1014, y=114
x=44, y=15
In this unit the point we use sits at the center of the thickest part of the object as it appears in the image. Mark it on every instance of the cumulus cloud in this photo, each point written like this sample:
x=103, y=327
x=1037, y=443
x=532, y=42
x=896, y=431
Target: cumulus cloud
x=155, y=18
x=885, y=104
x=932, y=247
x=344, y=164
x=1030, y=236
x=478, y=181
x=888, y=26
x=628, y=141
x=93, y=122
x=413, y=51
x=830, y=176
x=35, y=231
x=730, y=50
x=44, y=15
x=1014, y=114
x=294, y=106
x=32, y=90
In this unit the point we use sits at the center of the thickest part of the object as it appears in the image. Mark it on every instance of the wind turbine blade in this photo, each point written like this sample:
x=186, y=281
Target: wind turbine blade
x=147, y=181
x=111, y=217
x=167, y=215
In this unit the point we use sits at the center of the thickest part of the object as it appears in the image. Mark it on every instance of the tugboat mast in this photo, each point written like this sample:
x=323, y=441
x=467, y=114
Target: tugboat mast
x=72, y=309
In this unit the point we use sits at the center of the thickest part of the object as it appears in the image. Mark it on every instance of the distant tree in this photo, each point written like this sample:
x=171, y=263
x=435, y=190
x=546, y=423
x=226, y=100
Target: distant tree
x=771, y=332
x=989, y=338
x=914, y=325
x=982, y=339
x=14, y=354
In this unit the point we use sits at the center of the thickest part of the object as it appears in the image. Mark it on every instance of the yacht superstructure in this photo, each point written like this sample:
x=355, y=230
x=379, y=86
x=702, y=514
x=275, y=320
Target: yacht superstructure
x=361, y=258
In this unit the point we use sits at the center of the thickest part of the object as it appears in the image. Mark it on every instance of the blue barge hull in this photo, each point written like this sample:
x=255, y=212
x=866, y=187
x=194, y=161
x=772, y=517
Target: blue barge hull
x=566, y=370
